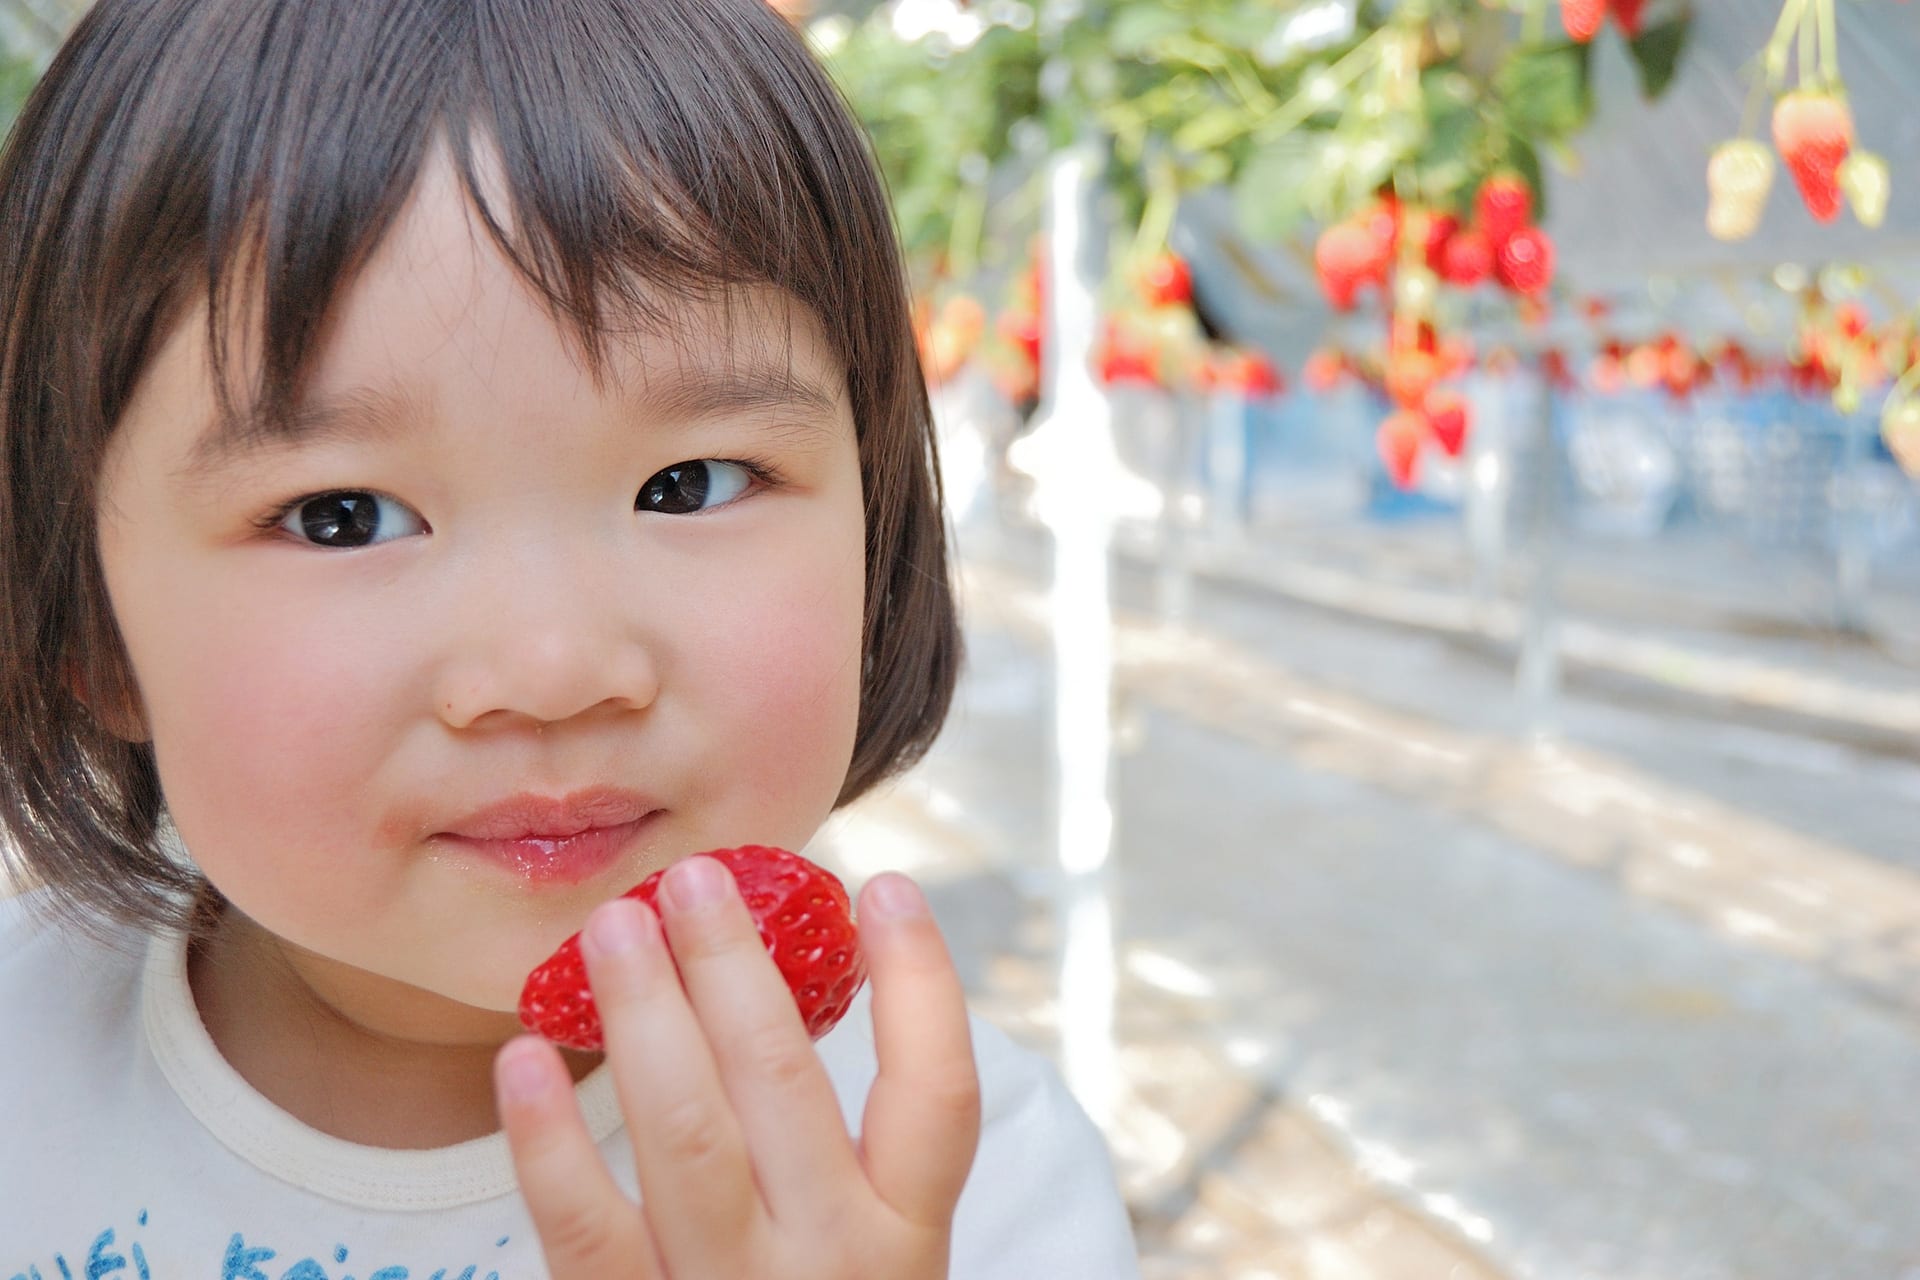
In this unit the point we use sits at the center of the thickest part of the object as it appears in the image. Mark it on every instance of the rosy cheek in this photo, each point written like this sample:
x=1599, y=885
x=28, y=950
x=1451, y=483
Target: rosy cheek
x=266, y=724
x=790, y=668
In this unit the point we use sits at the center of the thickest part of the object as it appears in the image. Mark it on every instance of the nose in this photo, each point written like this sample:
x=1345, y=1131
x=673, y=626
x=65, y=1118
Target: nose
x=542, y=642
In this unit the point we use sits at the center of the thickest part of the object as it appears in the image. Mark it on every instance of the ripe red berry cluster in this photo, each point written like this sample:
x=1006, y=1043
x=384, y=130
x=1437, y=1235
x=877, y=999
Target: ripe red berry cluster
x=1408, y=254
x=1155, y=340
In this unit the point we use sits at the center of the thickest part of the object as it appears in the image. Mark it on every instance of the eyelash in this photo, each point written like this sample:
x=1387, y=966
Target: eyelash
x=764, y=473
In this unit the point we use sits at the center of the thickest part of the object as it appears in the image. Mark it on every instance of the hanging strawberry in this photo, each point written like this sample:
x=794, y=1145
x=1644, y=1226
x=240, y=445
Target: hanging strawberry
x=1456, y=355
x=1582, y=18
x=1813, y=131
x=1021, y=331
x=1347, y=256
x=1166, y=282
x=1410, y=376
x=1863, y=179
x=1439, y=230
x=1126, y=356
x=1467, y=259
x=1447, y=419
x=1503, y=206
x=1399, y=441
x=1900, y=428
x=1251, y=374
x=1524, y=264
x=1627, y=14
x=1739, y=177
x=1324, y=370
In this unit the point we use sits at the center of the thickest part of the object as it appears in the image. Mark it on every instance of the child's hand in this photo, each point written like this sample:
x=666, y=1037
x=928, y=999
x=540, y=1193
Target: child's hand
x=746, y=1167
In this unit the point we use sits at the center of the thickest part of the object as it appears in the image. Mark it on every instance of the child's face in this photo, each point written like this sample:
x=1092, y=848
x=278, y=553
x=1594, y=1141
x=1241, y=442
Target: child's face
x=526, y=595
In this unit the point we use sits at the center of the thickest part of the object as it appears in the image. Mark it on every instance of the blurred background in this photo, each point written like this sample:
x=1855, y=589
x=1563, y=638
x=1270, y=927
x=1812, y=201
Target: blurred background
x=1434, y=490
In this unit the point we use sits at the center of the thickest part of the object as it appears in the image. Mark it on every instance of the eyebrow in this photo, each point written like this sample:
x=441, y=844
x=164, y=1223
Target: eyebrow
x=689, y=393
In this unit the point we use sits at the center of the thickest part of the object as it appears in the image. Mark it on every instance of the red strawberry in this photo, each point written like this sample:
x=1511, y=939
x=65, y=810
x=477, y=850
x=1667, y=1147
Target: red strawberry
x=1503, y=206
x=1627, y=14
x=1852, y=319
x=1116, y=367
x=1399, y=441
x=1252, y=375
x=1456, y=355
x=1021, y=331
x=1410, y=375
x=803, y=915
x=1582, y=18
x=1347, y=256
x=1447, y=418
x=1467, y=258
x=1524, y=263
x=1126, y=355
x=1814, y=132
x=1166, y=282
x=1324, y=370
x=1440, y=230
x=1383, y=218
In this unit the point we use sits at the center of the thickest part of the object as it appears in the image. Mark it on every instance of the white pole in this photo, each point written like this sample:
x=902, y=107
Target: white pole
x=1070, y=454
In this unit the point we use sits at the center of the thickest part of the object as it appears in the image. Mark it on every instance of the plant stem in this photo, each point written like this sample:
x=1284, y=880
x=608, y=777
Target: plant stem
x=1829, y=46
x=1163, y=202
x=963, y=237
x=1777, y=46
x=1809, y=45
x=1341, y=74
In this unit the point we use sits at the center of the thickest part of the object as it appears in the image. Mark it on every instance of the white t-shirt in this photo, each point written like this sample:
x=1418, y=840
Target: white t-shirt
x=130, y=1150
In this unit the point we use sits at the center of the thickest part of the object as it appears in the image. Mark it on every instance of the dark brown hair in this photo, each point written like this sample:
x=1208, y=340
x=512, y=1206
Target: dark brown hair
x=177, y=147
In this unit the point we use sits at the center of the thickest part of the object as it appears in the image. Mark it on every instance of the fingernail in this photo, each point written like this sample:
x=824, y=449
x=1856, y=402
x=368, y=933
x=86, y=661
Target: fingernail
x=894, y=895
x=615, y=927
x=695, y=883
x=523, y=1071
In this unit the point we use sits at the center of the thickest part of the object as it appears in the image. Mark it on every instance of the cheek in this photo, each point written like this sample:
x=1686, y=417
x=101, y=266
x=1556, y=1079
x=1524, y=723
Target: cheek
x=261, y=719
x=784, y=660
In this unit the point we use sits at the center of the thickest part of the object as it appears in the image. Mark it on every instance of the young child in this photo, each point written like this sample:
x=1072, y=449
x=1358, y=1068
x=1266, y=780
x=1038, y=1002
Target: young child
x=462, y=456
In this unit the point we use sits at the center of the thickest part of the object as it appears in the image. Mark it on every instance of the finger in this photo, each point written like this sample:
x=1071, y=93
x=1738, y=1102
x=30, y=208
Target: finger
x=796, y=1135
x=587, y=1226
x=922, y=1119
x=696, y=1184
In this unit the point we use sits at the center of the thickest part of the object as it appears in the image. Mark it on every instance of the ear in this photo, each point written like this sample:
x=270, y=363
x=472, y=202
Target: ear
x=109, y=698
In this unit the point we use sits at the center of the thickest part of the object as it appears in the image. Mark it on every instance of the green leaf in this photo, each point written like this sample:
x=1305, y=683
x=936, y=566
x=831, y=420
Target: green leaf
x=1140, y=28
x=1213, y=127
x=1445, y=164
x=1526, y=161
x=1657, y=50
x=1545, y=90
x=1241, y=27
x=1271, y=193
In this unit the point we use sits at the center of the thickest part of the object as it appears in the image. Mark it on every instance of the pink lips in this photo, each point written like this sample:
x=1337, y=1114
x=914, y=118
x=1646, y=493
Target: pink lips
x=543, y=839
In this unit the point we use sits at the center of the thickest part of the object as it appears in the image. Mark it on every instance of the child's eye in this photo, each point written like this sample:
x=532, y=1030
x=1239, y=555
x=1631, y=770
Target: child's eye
x=350, y=518
x=687, y=487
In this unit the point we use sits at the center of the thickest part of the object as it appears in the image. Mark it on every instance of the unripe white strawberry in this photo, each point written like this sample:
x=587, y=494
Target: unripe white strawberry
x=1863, y=177
x=1900, y=428
x=1739, y=177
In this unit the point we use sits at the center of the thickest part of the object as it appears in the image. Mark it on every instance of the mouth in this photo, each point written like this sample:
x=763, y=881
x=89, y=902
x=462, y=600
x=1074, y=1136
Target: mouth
x=560, y=841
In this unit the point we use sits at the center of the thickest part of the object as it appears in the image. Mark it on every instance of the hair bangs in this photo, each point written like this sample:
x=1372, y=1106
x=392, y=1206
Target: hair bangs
x=621, y=156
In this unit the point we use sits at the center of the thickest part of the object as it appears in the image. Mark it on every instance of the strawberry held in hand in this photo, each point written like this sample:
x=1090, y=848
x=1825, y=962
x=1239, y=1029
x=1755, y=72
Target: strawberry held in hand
x=804, y=917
